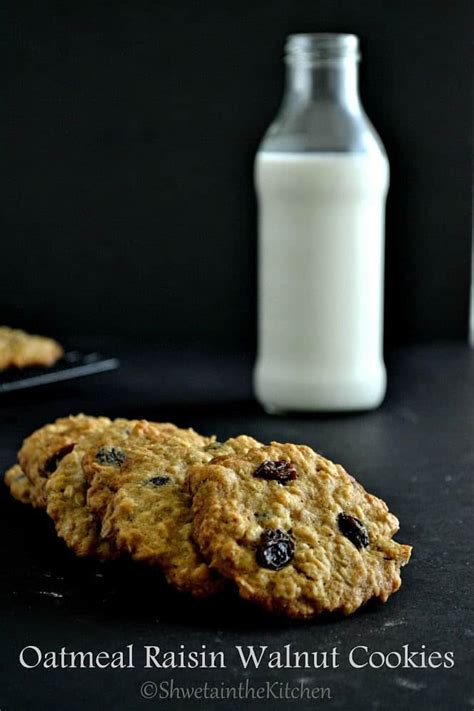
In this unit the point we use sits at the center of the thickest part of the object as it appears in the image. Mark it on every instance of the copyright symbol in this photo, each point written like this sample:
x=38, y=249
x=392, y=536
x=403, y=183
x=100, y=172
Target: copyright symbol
x=148, y=690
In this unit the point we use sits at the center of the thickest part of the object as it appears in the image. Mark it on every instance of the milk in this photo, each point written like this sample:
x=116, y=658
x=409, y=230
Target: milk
x=321, y=245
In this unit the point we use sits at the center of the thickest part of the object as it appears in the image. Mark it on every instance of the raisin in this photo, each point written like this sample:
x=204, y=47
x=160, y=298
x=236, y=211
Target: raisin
x=52, y=463
x=276, y=549
x=159, y=480
x=280, y=471
x=354, y=530
x=110, y=455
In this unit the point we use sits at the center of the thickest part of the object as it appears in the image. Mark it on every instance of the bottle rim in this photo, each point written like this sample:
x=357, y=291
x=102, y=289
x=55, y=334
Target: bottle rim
x=315, y=47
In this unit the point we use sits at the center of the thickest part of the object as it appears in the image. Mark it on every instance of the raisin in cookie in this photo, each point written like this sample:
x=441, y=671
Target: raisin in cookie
x=294, y=531
x=20, y=350
x=42, y=451
x=150, y=516
x=18, y=484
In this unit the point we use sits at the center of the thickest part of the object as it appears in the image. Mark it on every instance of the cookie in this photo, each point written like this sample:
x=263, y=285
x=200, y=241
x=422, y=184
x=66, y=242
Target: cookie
x=104, y=462
x=294, y=531
x=21, y=350
x=150, y=515
x=18, y=484
x=42, y=451
x=75, y=523
x=67, y=488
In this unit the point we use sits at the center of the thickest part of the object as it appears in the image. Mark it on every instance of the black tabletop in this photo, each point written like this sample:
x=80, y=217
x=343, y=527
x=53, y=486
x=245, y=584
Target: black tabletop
x=416, y=452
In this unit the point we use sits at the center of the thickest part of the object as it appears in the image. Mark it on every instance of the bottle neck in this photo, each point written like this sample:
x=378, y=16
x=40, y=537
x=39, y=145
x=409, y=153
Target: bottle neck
x=333, y=82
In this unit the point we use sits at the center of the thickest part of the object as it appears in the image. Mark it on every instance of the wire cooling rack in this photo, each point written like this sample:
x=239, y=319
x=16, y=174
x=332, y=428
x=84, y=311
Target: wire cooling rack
x=73, y=365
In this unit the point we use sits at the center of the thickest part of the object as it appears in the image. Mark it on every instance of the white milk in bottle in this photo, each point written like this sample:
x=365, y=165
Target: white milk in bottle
x=321, y=177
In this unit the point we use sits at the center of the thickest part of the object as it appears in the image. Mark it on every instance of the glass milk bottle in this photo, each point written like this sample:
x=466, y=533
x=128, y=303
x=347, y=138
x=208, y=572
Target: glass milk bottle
x=321, y=177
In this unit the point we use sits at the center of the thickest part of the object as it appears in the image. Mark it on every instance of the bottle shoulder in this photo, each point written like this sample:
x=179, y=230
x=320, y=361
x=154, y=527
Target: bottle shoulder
x=322, y=127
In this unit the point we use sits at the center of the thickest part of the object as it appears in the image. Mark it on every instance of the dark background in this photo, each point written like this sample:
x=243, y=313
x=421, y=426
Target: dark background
x=128, y=137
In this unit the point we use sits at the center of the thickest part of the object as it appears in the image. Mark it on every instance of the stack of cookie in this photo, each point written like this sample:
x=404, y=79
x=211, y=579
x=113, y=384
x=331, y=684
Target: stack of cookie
x=291, y=530
x=19, y=349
